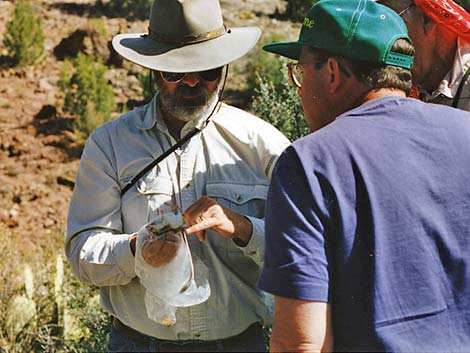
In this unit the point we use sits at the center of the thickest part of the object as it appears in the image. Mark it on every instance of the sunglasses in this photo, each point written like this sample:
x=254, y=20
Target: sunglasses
x=175, y=77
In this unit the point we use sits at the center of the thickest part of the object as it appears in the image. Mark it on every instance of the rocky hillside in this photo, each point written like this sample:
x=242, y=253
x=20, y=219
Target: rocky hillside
x=39, y=155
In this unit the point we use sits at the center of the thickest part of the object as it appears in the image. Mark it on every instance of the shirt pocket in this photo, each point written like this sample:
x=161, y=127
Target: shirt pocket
x=245, y=199
x=154, y=193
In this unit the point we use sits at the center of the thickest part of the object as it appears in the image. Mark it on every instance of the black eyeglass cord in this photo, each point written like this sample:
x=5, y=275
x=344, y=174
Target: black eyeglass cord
x=459, y=90
x=177, y=145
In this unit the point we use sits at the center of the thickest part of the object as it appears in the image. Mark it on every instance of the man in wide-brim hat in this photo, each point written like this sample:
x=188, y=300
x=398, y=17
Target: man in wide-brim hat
x=440, y=30
x=185, y=148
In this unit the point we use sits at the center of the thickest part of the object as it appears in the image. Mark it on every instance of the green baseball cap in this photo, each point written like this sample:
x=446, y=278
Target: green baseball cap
x=355, y=29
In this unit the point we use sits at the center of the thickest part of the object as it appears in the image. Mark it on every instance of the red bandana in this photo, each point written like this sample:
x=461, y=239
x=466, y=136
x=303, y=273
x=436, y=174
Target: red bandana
x=448, y=14
x=414, y=93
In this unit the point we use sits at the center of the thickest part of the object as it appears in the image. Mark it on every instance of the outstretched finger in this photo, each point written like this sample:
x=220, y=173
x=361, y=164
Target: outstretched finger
x=202, y=225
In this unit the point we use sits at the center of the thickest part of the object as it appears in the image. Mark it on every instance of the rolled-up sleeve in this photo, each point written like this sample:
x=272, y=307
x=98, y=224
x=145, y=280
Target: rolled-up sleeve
x=95, y=246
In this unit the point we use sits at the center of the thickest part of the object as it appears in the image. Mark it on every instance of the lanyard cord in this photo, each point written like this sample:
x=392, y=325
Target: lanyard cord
x=459, y=90
x=176, y=145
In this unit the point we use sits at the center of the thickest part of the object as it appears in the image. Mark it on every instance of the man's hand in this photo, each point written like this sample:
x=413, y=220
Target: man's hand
x=160, y=252
x=206, y=213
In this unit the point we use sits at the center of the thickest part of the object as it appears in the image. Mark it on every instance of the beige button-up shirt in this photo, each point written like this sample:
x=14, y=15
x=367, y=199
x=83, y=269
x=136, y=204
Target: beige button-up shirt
x=447, y=90
x=230, y=160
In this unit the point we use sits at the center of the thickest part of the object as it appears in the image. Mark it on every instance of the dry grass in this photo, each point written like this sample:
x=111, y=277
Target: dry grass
x=42, y=307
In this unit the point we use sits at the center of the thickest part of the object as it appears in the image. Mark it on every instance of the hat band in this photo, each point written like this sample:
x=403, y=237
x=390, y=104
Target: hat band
x=167, y=38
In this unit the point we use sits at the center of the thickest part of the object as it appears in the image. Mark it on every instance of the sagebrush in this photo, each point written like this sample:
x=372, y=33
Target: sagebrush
x=272, y=97
x=24, y=38
x=88, y=95
x=280, y=106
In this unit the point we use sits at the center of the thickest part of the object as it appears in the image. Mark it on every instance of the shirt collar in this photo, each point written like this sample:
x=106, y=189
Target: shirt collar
x=149, y=117
x=450, y=84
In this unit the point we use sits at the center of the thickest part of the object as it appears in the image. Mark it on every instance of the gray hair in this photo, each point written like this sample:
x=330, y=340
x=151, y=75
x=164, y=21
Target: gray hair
x=386, y=76
x=372, y=74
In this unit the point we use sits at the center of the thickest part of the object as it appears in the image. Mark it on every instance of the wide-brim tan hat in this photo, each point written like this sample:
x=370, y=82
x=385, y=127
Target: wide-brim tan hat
x=186, y=36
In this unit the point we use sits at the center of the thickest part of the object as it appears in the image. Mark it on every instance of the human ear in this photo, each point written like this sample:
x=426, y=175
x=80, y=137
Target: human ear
x=334, y=74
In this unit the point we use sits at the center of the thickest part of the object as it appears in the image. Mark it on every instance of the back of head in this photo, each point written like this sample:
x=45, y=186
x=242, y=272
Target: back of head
x=450, y=15
x=372, y=36
x=385, y=76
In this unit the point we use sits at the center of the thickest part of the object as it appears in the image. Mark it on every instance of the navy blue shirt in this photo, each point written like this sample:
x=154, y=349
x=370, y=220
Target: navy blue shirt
x=372, y=214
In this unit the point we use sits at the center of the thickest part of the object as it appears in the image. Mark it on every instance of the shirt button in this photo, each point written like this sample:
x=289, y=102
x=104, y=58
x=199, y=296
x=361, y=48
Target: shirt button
x=186, y=186
x=197, y=335
x=239, y=198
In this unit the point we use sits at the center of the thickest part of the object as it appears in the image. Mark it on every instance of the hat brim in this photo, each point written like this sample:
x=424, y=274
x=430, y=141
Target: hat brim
x=201, y=56
x=289, y=50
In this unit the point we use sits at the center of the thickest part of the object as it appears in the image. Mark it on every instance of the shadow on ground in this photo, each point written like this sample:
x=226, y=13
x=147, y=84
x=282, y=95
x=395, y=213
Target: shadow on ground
x=131, y=10
x=48, y=122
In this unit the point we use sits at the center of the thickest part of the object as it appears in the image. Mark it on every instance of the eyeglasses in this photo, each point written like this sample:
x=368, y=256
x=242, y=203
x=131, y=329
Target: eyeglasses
x=406, y=9
x=175, y=77
x=296, y=73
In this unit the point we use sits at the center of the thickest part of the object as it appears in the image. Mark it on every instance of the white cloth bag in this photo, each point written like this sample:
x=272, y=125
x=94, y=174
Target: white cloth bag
x=181, y=282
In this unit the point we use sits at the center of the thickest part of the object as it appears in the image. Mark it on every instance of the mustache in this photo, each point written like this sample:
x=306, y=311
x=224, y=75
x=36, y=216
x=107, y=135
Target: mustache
x=199, y=91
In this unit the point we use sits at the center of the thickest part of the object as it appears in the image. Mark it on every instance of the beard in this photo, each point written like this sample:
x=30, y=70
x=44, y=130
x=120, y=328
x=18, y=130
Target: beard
x=188, y=103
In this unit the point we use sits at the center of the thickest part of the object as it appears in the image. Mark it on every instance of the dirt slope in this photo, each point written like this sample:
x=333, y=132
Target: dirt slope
x=38, y=155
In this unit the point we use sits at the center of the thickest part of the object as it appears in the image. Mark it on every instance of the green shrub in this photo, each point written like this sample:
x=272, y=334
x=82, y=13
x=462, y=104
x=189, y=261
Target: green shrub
x=85, y=325
x=87, y=94
x=264, y=65
x=273, y=99
x=280, y=106
x=65, y=74
x=24, y=38
x=97, y=25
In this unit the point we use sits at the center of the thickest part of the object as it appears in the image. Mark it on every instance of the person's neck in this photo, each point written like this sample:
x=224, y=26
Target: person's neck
x=346, y=102
x=442, y=62
x=377, y=94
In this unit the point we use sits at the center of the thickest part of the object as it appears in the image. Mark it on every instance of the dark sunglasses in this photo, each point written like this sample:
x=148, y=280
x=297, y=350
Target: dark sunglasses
x=175, y=77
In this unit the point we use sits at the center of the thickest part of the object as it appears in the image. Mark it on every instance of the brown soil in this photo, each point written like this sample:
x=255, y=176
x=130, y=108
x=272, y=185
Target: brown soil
x=38, y=153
